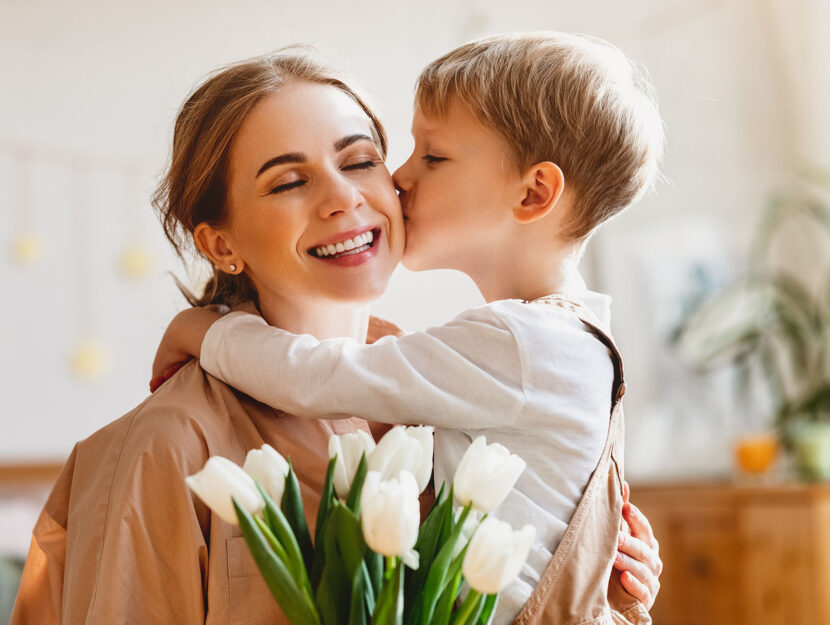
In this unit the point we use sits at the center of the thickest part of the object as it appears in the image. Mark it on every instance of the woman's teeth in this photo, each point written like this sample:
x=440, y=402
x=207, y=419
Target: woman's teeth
x=355, y=245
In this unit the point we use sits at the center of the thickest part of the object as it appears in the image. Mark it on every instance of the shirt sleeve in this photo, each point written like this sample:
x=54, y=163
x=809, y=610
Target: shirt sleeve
x=465, y=374
x=150, y=564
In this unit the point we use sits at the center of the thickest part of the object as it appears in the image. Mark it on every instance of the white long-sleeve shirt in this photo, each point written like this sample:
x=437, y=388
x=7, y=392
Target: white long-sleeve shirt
x=528, y=375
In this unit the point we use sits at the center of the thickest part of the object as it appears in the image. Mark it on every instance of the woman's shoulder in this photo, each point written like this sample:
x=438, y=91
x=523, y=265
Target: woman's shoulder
x=174, y=427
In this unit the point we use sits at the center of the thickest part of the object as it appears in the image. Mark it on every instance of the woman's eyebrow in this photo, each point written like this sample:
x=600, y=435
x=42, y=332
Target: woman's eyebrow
x=342, y=144
x=291, y=157
x=299, y=157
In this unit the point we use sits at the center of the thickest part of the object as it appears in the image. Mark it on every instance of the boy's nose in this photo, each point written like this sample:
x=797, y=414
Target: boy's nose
x=402, y=180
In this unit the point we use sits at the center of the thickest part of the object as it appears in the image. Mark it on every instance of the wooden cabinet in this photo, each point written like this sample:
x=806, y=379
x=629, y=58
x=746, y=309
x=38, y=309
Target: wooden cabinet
x=739, y=555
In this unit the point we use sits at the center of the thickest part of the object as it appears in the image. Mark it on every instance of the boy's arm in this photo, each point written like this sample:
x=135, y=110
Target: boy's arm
x=182, y=341
x=466, y=374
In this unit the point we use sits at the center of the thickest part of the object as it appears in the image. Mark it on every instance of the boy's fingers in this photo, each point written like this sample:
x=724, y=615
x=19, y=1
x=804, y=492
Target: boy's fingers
x=637, y=589
x=170, y=371
x=166, y=375
x=639, y=525
x=641, y=552
x=626, y=492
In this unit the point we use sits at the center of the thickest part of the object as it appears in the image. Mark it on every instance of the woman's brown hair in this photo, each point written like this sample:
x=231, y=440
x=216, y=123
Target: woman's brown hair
x=194, y=188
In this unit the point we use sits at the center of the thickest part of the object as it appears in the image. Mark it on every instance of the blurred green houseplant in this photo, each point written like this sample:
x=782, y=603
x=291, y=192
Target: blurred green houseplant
x=774, y=320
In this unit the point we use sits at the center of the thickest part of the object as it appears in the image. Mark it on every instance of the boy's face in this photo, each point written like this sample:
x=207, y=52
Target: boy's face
x=457, y=190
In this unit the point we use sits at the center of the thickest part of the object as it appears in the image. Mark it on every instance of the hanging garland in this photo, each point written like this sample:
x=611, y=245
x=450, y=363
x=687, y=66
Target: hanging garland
x=89, y=356
x=26, y=244
x=136, y=260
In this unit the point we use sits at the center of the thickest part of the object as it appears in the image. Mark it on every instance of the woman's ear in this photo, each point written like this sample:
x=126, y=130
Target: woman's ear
x=213, y=244
x=542, y=186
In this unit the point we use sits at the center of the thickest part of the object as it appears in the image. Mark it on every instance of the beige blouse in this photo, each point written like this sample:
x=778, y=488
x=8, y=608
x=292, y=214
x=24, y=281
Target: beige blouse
x=122, y=540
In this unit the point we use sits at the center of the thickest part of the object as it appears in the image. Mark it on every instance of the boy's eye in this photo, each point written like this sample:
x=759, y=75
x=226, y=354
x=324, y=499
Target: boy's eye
x=429, y=158
x=362, y=165
x=288, y=186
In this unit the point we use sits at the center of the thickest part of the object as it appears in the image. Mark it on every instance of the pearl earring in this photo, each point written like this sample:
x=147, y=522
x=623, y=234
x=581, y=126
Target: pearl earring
x=232, y=267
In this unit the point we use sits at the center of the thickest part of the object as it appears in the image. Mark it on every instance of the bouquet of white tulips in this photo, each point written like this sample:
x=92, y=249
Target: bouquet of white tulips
x=370, y=562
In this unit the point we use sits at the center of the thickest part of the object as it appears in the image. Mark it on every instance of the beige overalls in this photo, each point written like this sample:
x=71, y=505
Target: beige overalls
x=580, y=585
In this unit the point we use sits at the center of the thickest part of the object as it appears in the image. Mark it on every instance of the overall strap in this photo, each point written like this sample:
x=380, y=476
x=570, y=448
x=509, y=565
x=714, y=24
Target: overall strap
x=600, y=330
x=532, y=613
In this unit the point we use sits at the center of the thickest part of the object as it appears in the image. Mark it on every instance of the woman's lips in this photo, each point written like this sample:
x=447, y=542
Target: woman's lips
x=355, y=256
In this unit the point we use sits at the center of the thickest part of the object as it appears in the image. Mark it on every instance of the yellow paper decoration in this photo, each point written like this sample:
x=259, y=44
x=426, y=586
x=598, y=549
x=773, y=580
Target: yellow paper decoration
x=27, y=248
x=89, y=360
x=136, y=262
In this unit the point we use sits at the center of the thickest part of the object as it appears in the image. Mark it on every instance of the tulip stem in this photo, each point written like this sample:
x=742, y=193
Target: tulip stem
x=391, y=563
x=469, y=610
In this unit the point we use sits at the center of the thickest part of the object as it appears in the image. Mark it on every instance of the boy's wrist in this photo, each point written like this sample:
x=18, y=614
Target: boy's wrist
x=194, y=327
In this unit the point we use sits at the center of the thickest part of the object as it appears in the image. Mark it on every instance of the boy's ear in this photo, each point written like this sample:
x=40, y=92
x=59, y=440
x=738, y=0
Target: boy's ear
x=543, y=186
x=214, y=244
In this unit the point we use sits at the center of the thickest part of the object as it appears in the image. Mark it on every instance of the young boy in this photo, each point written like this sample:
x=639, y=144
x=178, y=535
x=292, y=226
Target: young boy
x=524, y=145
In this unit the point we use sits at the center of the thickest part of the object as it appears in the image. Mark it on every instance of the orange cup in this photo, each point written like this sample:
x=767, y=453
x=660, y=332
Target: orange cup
x=756, y=453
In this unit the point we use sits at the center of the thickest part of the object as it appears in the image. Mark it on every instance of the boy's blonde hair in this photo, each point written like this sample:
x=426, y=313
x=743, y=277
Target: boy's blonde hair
x=573, y=100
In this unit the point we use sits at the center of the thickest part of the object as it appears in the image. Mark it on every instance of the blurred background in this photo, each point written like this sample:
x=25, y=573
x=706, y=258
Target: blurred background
x=720, y=279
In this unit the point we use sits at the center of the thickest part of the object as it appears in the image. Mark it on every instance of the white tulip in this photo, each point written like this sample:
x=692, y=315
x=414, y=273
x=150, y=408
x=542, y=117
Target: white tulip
x=348, y=448
x=424, y=434
x=390, y=513
x=496, y=555
x=267, y=466
x=486, y=474
x=405, y=449
x=467, y=530
x=218, y=481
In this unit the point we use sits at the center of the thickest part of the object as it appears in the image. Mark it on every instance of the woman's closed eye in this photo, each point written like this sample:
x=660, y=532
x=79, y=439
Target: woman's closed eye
x=288, y=186
x=368, y=164
x=294, y=184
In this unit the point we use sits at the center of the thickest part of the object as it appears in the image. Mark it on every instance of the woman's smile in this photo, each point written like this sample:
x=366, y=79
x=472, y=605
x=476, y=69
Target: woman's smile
x=350, y=248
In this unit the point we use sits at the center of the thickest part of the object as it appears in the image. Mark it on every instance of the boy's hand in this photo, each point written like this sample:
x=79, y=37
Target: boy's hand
x=638, y=555
x=379, y=328
x=182, y=341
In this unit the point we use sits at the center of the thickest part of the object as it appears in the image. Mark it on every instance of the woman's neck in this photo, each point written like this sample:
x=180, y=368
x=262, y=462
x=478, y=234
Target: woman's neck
x=320, y=320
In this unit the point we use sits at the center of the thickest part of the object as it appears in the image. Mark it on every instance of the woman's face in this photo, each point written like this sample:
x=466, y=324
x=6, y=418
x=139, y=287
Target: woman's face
x=313, y=210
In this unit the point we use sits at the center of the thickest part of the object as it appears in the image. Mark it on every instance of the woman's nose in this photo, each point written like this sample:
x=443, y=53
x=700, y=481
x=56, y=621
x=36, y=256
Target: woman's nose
x=341, y=196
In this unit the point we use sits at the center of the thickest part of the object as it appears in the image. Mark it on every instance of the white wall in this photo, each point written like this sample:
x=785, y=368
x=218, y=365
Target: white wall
x=99, y=81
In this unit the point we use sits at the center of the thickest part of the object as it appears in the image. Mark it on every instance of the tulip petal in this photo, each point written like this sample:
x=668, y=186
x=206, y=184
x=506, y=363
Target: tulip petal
x=267, y=466
x=486, y=475
x=220, y=480
x=495, y=555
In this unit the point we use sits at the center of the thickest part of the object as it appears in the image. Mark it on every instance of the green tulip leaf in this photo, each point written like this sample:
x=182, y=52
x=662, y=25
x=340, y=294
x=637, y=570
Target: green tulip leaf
x=470, y=610
x=327, y=499
x=275, y=545
x=344, y=551
x=279, y=525
x=359, y=611
x=296, y=605
x=353, y=501
x=389, y=607
x=437, y=577
x=374, y=568
x=489, y=610
x=333, y=593
x=292, y=507
x=427, y=546
x=443, y=609
x=348, y=537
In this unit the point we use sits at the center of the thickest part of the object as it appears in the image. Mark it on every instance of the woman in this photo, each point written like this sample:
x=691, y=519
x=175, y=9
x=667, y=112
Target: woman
x=121, y=539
